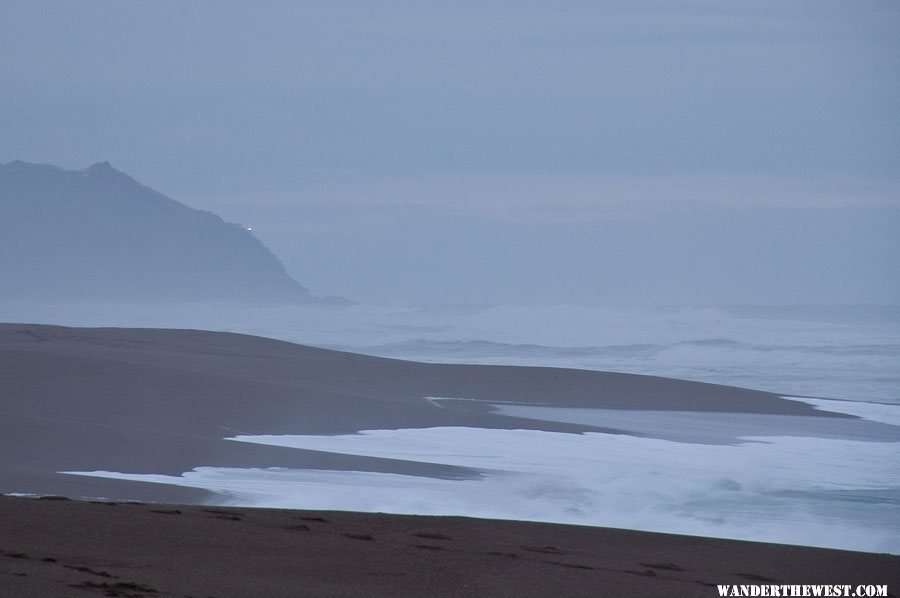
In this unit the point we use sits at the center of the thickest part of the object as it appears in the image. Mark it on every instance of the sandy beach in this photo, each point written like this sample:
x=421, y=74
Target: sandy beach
x=164, y=402
x=414, y=299
x=70, y=548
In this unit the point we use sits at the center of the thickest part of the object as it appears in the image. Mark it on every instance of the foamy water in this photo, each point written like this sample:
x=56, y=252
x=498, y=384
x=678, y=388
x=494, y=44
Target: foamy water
x=794, y=481
x=820, y=490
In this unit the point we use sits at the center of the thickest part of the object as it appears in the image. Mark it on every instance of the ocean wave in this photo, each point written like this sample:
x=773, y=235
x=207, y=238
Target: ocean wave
x=848, y=352
x=480, y=347
x=776, y=489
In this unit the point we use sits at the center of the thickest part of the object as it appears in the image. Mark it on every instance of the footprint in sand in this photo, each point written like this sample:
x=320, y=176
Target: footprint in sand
x=218, y=512
x=662, y=566
x=359, y=537
x=569, y=565
x=431, y=536
x=297, y=528
x=754, y=577
x=644, y=573
x=115, y=589
x=545, y=549
x=90, y=571
x=16, y=555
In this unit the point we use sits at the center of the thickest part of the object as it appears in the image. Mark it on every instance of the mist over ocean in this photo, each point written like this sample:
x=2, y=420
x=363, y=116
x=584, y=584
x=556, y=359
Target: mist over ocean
x=842, y=352
x=626, y=217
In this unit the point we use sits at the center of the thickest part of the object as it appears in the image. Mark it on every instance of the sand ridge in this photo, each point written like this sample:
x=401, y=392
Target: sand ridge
x=163, y=401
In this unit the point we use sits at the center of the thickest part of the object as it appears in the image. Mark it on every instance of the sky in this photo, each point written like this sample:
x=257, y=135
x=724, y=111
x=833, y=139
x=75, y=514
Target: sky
x=696, y=152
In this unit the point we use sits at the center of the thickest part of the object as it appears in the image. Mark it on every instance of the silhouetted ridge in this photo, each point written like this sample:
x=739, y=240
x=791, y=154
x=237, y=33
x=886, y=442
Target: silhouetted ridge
x=97, y=234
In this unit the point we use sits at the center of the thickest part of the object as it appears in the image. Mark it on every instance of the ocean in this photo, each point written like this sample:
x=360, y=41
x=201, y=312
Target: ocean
x=843, y=352
x=783, y=480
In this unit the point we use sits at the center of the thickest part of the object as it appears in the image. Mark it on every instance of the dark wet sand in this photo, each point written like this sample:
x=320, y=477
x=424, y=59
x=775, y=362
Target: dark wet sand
x=162, y=401
x=53, y=548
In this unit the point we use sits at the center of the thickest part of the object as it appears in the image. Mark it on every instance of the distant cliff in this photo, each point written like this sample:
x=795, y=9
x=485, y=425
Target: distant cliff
x=97, y=234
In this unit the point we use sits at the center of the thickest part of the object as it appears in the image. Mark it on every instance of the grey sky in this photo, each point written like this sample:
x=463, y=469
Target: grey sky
x=351, y=133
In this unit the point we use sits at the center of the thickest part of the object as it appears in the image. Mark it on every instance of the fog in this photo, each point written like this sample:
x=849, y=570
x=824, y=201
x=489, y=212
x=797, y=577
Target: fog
x=692, y=255
x=583, y=152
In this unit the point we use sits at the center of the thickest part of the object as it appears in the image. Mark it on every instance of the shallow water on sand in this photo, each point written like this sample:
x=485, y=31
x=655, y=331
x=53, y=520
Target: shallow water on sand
x=823, y=487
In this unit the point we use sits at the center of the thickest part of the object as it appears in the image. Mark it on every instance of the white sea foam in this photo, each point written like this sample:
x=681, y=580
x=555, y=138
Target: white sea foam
x=822, y=489
x=816, y=491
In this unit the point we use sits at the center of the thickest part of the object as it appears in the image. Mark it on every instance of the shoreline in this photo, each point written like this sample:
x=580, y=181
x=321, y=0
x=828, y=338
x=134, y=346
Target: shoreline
x=164, y=402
